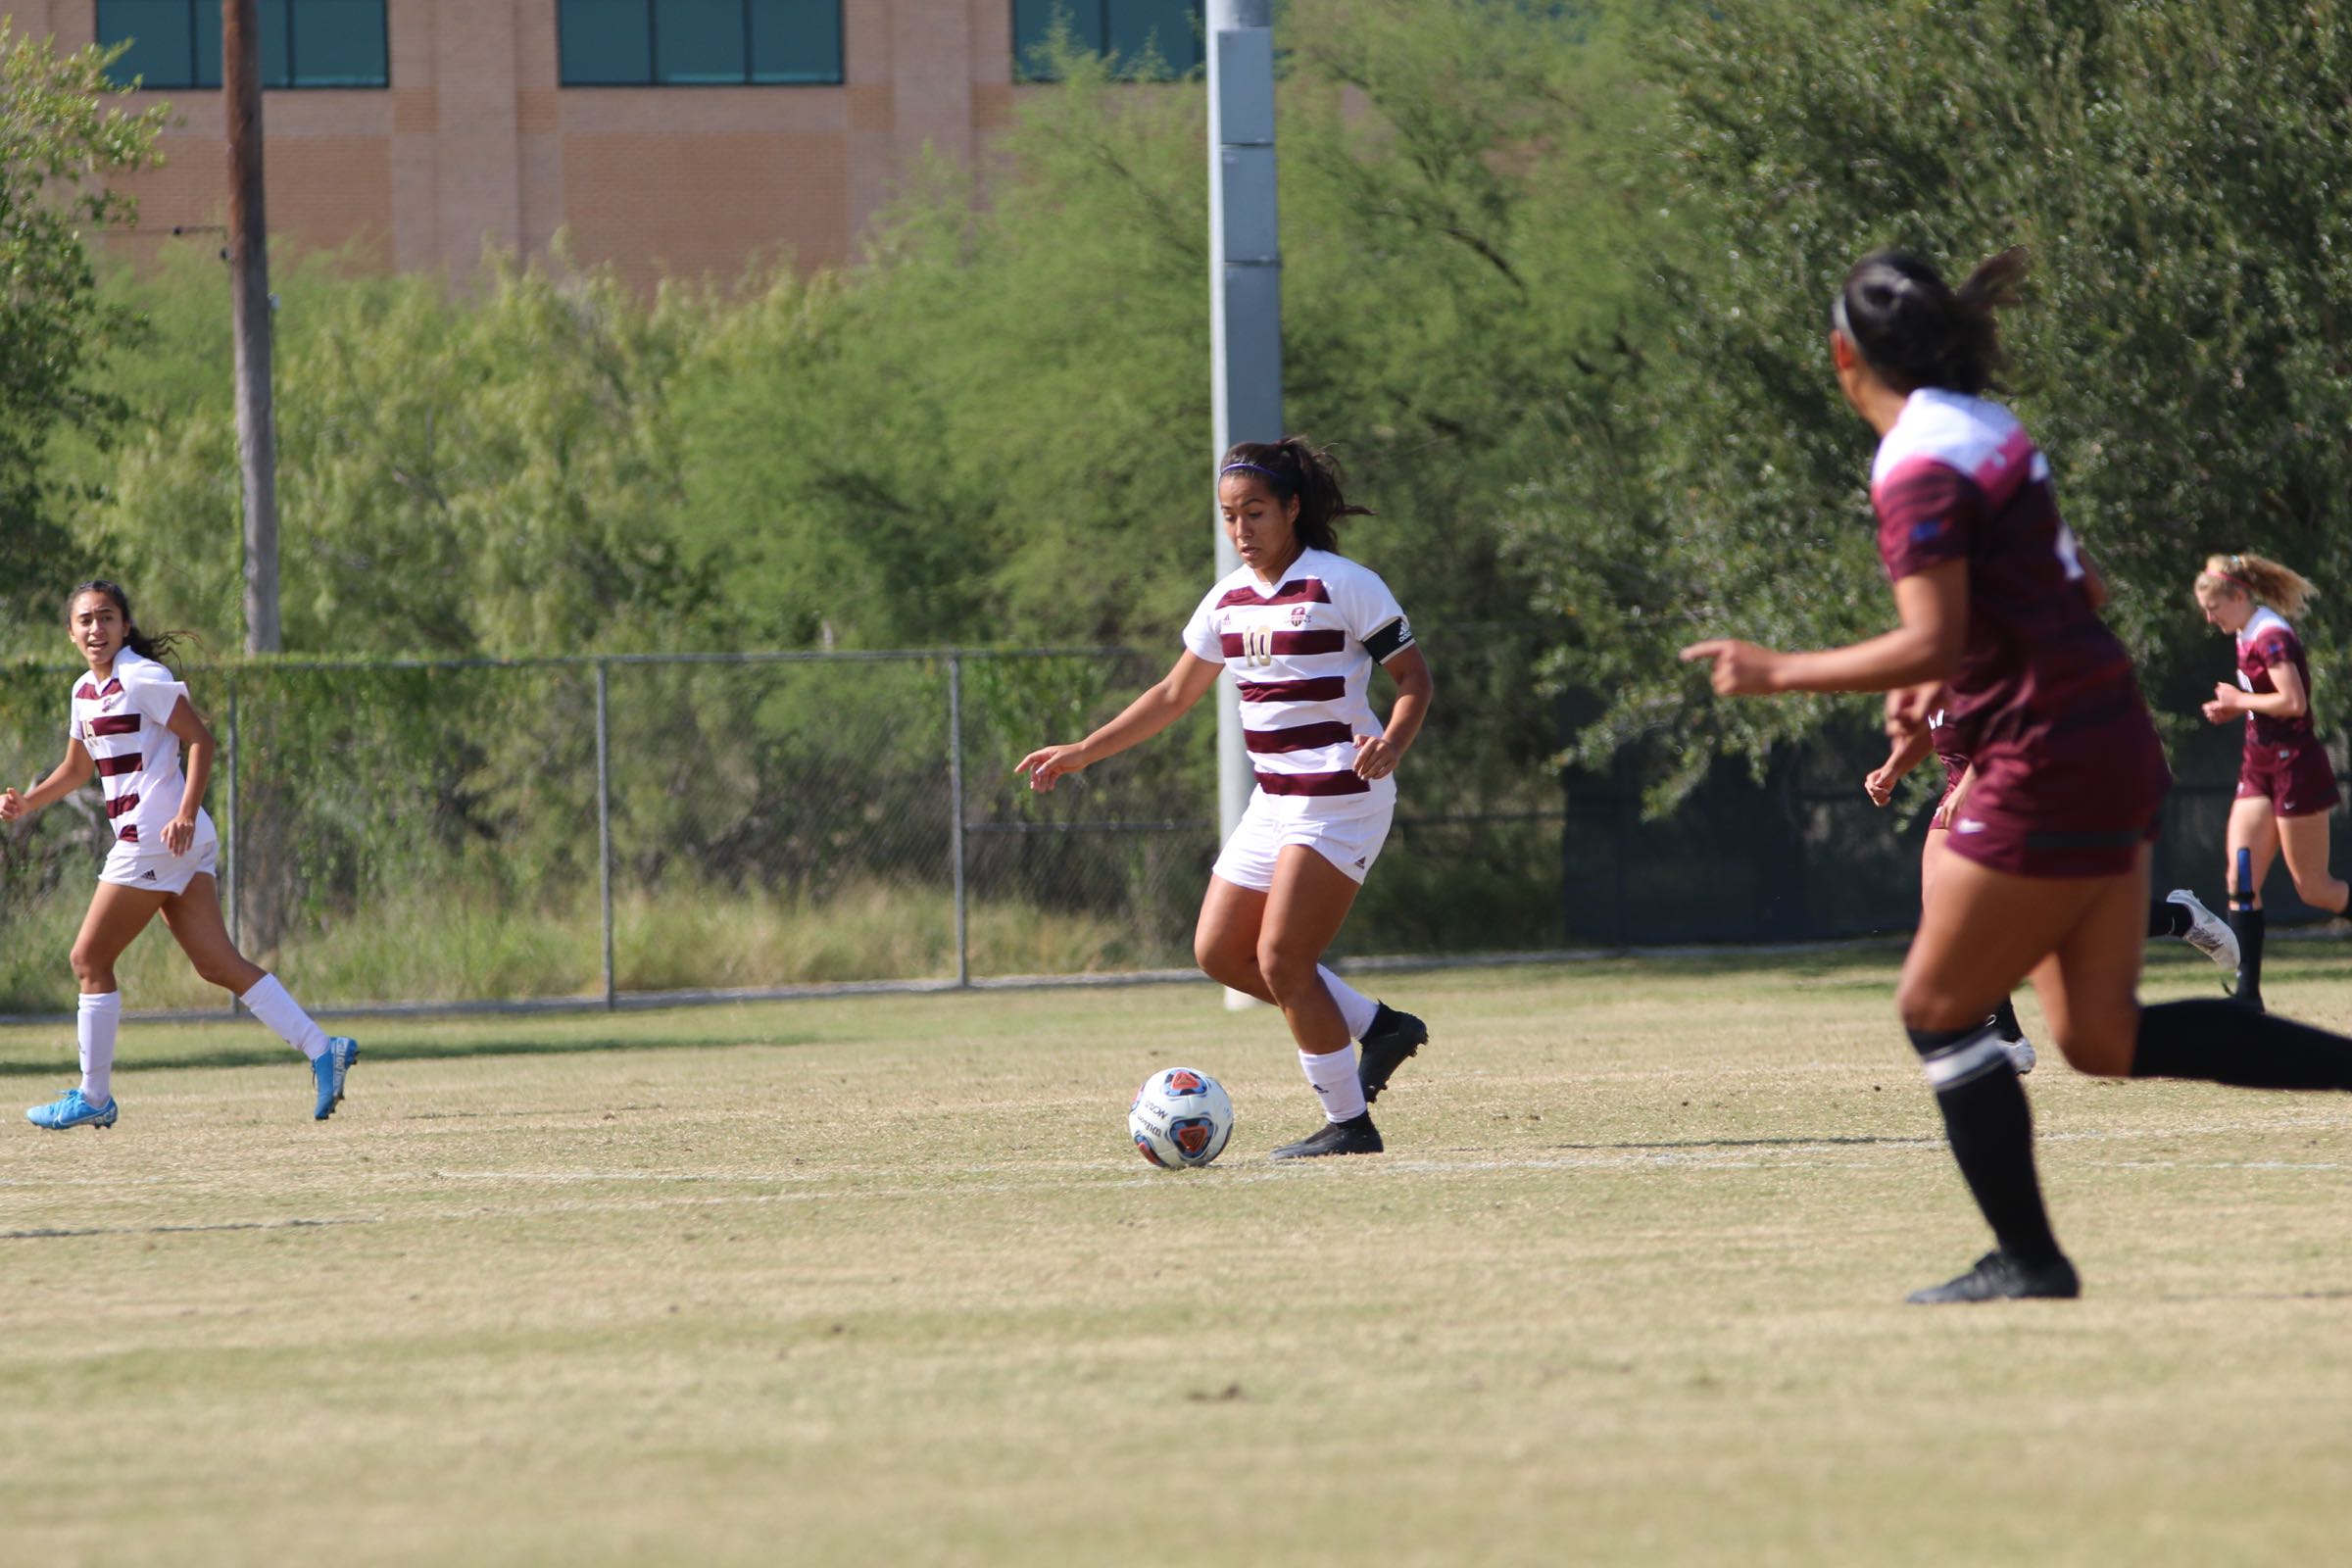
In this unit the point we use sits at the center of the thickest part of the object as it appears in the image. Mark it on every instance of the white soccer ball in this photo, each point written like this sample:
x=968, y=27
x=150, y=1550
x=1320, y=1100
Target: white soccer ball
x=1181, y=1119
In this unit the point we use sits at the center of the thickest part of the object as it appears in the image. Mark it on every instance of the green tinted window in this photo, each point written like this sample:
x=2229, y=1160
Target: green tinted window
x=304, y=43
x=1148, y=38
x=337, y=43
x=699, y=43
x=163, y=40
x=796, y=40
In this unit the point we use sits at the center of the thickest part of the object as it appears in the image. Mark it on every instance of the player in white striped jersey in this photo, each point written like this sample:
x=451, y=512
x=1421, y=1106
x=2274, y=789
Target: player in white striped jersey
x=1301, y=627
x=129, y=718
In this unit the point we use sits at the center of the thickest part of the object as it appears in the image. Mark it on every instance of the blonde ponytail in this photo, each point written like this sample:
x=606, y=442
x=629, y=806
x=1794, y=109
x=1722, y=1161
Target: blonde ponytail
x=2261, y=579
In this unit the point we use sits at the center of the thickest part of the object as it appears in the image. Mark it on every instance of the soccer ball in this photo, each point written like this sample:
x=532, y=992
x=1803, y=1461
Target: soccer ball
x=1181, y=1119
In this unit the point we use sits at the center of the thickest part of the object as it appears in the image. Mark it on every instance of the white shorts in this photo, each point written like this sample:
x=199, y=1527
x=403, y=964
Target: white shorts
x=1349, y=838
x=158, y=869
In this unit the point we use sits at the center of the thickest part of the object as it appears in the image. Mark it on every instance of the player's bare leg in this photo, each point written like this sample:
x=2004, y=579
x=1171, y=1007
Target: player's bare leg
x=194, y=917
x=1304, y=909
x=1225, y=944
x=1225, y=938
x=115, y=916
x=2004, y=1016
x=1981, y=932
x=2303, y=839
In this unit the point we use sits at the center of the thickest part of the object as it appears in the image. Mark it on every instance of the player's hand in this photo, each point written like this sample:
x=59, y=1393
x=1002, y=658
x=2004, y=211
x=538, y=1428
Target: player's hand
x=12, y=805
x=2228, y=703
x=178, y=834
x=1375, y=757
x=1742, y=669
x=1908, y=708
x=1047, y=766
x=1878, y=786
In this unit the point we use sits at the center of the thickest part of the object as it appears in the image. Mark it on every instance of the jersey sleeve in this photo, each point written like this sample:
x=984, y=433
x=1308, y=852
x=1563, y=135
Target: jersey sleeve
x=1201, y=638
x=1372, y=614
x=2275, y=647
x=150, y=689
x=1929, y=514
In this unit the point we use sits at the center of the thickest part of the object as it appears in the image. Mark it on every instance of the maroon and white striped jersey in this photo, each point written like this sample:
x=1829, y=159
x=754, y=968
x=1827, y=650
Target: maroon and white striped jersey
x=1302, y=653
x=122, y=722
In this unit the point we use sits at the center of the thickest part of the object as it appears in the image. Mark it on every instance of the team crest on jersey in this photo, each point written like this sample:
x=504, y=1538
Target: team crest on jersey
x=1301, y=614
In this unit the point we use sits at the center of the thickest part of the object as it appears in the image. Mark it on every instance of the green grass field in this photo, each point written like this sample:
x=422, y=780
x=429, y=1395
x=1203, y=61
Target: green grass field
x=879, y=1281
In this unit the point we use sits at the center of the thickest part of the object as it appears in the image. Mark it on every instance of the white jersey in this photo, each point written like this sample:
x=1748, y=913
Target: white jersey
x=122, y=721
x=1302, y=653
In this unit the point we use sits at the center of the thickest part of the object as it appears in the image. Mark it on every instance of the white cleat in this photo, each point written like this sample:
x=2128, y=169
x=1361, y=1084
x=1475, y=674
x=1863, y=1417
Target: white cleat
x=2208, y=932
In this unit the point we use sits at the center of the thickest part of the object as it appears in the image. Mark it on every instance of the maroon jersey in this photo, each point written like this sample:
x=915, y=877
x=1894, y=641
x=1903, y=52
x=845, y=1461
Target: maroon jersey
x=2265, y=643
x=1958, y=479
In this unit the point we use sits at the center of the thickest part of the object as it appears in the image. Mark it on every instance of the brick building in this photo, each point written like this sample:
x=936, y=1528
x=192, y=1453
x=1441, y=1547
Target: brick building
x=668, y=136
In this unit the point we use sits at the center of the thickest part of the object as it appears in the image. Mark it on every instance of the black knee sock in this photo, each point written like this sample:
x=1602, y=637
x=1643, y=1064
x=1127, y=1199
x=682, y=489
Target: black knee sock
x=2222, y=1042
x=2166, y=918
x=2004, y=1021
x=1991, y=1131
x=2248, y=924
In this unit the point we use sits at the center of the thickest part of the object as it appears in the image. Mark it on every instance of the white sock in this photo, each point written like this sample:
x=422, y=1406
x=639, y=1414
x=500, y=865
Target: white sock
x=270, y=1002
x=1354, y=1007
x=95, y=1022
x=1333, y=1074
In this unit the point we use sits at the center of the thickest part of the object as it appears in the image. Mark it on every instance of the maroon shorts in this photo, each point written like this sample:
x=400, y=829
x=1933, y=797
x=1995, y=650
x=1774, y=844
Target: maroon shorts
x=2079, y=802
x=2297, y=778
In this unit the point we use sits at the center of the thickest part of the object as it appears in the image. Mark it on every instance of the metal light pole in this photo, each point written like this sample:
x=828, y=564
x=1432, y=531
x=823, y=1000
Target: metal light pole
x=1244, y=271
x=249, y=285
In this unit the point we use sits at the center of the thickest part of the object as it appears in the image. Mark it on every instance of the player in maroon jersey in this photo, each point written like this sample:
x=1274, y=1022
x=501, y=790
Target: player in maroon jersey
x=2046, y=869
x=2286, y=784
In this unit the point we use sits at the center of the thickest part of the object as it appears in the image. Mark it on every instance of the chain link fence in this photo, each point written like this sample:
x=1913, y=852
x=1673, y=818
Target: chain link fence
x=603, y=831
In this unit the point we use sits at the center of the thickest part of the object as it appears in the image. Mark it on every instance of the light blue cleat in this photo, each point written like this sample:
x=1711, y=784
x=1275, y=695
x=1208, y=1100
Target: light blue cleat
x=329, y=1069
x=69, y=1109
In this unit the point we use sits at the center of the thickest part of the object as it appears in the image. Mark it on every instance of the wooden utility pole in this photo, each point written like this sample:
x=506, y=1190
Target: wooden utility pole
x=249, y=271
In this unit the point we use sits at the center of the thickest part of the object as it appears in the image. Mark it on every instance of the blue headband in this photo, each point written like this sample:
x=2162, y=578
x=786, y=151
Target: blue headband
x=1252, y=468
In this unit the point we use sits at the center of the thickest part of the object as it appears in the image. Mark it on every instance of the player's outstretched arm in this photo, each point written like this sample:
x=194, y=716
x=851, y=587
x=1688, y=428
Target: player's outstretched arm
x=1160, y=704
x=63, y=780
x=1924, y=647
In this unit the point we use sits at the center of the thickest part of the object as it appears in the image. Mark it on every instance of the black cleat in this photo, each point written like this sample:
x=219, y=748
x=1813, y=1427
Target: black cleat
x=1998, y=1277
x=2250, y=1000
x=1393, y=1036
x=1356, y=1136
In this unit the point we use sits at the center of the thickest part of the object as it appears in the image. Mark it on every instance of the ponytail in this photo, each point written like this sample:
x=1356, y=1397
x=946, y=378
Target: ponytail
x=2262, y=580
x=1291, y=468
x=159, y=646
x=1916, y=330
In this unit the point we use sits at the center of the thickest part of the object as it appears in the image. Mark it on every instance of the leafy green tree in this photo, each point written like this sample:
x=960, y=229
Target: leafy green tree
x=2180, y=173
x=61, y=137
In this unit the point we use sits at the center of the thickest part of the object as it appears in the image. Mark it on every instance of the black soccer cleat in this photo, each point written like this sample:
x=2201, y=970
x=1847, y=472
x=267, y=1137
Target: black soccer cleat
x=1393, y=1036
x=1355, y=1136
x=1998, y=1277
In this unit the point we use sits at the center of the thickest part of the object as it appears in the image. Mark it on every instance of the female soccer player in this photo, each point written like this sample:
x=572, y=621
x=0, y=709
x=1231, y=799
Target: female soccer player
x=2046, y=864
x=129, y=716
x=1300, y=627
x=2285, y=785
